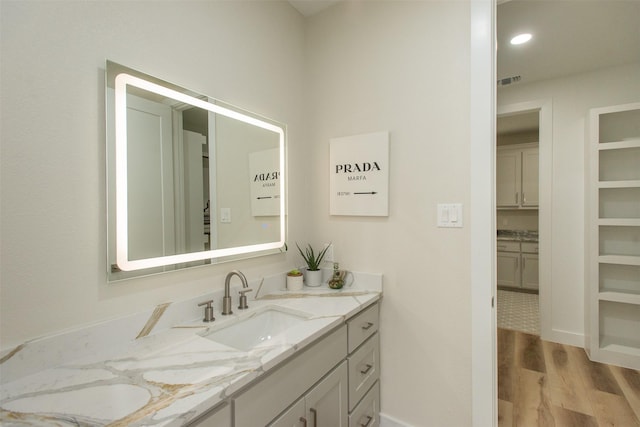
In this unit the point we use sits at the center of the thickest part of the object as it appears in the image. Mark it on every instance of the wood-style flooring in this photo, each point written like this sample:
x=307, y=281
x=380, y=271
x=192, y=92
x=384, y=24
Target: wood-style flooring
x=541, y=383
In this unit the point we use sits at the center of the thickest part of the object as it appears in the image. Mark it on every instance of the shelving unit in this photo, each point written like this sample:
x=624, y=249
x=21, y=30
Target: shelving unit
x=613, y=244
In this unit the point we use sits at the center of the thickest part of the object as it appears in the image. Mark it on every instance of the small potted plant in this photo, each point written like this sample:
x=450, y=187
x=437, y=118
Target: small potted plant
x=294, y=280
x=313, y=276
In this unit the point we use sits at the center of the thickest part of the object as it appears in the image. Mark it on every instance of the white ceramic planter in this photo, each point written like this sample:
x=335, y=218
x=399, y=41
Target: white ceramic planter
x=313, y=278
x=294, y=283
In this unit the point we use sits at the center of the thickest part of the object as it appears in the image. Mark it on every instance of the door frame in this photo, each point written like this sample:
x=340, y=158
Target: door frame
x=482, y=123
x=544, y=108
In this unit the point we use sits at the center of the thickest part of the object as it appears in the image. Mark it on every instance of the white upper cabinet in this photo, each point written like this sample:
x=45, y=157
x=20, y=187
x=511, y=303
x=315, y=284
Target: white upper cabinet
x=508, y=178
x=530, y=177
x=517, y=177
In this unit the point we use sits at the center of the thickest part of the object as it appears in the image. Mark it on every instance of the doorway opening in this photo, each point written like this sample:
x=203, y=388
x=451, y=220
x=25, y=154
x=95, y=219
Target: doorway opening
x=517, y=238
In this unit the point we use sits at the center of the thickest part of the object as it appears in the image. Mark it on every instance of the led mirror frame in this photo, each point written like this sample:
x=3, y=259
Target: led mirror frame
x=123, y=80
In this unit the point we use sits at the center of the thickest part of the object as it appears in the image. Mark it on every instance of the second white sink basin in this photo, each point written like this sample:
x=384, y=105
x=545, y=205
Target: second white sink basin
x=264, y=328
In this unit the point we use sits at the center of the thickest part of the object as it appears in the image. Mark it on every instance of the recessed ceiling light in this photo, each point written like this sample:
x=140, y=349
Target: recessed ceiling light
x=521, y=38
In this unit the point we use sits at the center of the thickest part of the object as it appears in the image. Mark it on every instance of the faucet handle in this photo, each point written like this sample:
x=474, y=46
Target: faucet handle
x=242, y=305
x=208, y=311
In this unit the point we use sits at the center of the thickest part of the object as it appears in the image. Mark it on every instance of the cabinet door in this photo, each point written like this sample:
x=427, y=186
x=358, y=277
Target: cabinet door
x=293, y=417
x=530, y=177
x=508, y=178
x=327, y=402
x=530, y=271
x=508, y=269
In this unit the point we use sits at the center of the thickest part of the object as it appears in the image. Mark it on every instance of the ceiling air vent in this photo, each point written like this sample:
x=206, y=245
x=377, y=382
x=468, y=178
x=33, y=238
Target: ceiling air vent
x=508, y=80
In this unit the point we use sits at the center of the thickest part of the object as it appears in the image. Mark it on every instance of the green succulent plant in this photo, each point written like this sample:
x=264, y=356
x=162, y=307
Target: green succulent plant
x=294, y=272
x=312, y=259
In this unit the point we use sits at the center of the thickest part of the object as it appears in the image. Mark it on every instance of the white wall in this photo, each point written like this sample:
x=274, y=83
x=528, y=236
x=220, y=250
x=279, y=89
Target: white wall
x=572, y=97
x=403, y=67
x=396, y=66
x=53, y=140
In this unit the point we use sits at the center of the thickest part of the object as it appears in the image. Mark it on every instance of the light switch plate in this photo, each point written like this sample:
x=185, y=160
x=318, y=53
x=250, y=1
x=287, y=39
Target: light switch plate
x=225, y=215
x=450, y=215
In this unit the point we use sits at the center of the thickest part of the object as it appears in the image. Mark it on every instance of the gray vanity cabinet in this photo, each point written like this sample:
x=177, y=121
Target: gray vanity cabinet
x=333, y=383
x=293, y=417
x=324, y=405
x=364, y=368
x=263, y=402
x=218, y=417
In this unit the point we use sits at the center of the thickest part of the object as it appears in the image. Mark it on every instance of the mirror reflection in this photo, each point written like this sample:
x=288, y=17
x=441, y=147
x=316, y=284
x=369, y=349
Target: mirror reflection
x=191, y=179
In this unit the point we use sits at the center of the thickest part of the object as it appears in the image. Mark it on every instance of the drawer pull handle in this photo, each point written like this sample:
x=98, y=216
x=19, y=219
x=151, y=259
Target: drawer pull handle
x=304, y=421
x=315, y=417
x=502, y=247
x=367, y=369
x=366, y=424
x=367, y=326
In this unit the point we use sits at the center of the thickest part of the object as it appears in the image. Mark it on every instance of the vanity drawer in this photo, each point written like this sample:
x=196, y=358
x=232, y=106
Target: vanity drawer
x=530, y=248
x=508, y=246
x=364, y=370
x=362, y=326
x=367, y=413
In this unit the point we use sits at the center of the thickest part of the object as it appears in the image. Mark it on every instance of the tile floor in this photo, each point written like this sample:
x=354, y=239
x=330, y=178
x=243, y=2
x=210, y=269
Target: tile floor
x=518, y=311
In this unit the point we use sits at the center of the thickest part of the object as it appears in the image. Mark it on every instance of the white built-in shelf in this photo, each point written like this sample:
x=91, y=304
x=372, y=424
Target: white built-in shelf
x=620, y=348
x=619, y=259
x=613, y=197
x=623, y=222
x=619, y=297
x=619, y=184
x=630, y=143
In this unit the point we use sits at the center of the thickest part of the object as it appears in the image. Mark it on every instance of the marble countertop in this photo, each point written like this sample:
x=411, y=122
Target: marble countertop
x=517, y=236
x=169, y=377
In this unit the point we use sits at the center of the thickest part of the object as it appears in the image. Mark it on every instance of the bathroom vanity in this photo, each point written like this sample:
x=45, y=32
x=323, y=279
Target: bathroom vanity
x=305, y=358
x=332, y=383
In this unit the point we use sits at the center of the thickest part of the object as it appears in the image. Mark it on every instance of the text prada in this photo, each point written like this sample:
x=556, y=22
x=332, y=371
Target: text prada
x=357, y=167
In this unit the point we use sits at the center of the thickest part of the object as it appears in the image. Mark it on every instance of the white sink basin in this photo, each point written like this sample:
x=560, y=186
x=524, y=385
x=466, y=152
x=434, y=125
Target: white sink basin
x=265, y=328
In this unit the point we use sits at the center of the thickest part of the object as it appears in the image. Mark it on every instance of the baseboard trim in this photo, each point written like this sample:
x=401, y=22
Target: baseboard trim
x=388, y=421
x=565, y=337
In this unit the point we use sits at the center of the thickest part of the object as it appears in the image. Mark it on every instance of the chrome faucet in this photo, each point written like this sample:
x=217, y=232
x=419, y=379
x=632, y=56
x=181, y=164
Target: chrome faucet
x=226, y=301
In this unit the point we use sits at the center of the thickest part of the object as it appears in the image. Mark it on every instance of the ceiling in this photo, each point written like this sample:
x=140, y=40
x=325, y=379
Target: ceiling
x=569, y=37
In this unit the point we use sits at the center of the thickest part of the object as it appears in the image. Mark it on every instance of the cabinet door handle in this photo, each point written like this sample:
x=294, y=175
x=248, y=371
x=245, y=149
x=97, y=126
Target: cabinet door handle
x=366, y=424
x=367, y=326
x=524, y=261
x=516, y=197
x=524, y=199
x=304, y=421
x=502, y=247
x=315, y=417
x=367, y=369
x=517, y=262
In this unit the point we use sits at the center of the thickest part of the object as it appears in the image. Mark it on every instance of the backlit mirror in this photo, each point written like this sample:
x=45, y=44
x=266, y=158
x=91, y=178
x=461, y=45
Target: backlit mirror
x=191, y=180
